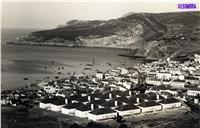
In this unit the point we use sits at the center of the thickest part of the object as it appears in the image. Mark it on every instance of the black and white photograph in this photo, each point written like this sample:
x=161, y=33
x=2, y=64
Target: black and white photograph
x=100, y=64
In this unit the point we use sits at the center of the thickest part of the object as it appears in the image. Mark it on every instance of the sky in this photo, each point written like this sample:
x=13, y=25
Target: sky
x=46, y=15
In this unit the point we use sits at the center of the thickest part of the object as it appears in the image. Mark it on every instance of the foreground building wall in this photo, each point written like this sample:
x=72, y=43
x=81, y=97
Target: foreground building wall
x=82, y=114
x=171, y=105
x=151, y=109
x=129, y=112
x=101, y=117
x=44, y=105
x=68, y=111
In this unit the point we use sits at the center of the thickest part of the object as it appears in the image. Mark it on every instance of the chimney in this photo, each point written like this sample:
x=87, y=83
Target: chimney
x=92, y=106
x=157, y=96
x=196, y=101
x=100, y=106
x=111, y=89
x=110, y=95
x=96, y=98
x=124, y=103
x=137, y=100
x=130, y=93
x=116, y=103
x=118, y=96
x=66, y=101
x=89, y=98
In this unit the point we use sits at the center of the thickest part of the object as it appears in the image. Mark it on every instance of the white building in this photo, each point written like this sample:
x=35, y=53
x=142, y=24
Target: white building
x=150, y=106
x=179, y=77
x=56, y=105
x=124, y=71
x=193, y=92
x=179, y=84
x=99, y=75
x=170, y=103
x=69, y=109
x=175, y=72
x=83, y=110
x=192, y=80
x=128, y=110
x=153, y=81
x=164, y=75
x=197, y=58
x=126, y=83
x=102, y=114
x=50, y=89
x=45, y=104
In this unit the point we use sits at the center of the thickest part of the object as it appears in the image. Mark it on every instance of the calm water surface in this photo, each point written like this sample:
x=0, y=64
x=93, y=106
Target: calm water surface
x=38, y=62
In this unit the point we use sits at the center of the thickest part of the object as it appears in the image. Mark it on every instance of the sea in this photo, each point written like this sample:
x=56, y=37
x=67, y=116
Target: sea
x=23, y=65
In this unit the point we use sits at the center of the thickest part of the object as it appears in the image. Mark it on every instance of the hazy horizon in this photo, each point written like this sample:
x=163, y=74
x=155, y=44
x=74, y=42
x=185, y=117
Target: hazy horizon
x=47, y=15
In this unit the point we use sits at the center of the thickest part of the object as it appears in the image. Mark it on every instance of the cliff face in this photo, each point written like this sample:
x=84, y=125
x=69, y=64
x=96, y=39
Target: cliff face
x=150, y=35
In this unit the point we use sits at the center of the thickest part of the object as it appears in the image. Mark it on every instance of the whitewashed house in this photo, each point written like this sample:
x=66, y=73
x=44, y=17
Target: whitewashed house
x=83, y=110
x=179, y=84
x=99, y=75
x=102, y=114
x=178, y=76
x=192, y=80
x=164, y=75
x=193, y=92
x=128, y=110
x=69, y=109
x=124, y=71
x=175, y=71
x=197, y=58
x=57, y=104
x=152, y=72
x=51, y=89
x=45, y=104
x=150, y=106
x=153, y=81
x=126, y=83
x=170, y=103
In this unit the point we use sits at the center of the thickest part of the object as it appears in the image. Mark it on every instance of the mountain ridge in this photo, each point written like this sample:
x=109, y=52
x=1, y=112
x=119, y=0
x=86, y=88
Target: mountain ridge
x=153, y=35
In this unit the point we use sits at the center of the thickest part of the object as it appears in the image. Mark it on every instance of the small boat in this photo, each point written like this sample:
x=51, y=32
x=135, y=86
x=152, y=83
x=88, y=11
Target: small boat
x=87, y=69
x=109, y=64
x=26, y=78
x=90, y=64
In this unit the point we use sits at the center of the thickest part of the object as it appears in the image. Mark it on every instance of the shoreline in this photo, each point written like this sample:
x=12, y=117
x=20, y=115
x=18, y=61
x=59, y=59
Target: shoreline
x=58, y=45
x=81, y=46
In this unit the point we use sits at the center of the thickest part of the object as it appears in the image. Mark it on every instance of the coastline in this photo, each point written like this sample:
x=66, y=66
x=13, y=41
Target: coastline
x=63, y=45
x=80, y=46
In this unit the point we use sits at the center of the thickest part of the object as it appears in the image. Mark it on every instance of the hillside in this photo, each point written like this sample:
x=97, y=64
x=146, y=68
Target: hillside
x=146, y=34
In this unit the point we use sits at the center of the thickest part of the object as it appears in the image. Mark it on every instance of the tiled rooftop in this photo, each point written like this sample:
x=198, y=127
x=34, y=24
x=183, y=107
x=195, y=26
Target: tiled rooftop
x=72, y=105
x=149, y=104
x=126, y=107
x=168, y=101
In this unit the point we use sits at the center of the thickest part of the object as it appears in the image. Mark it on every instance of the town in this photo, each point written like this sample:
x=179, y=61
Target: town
x=159, y=86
